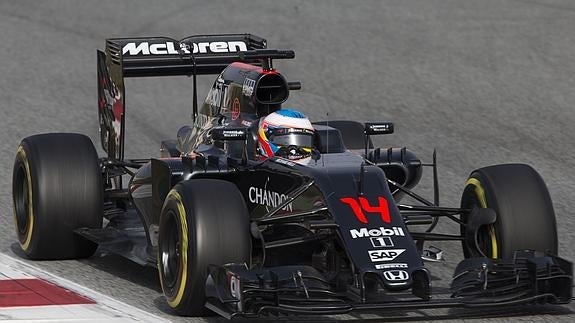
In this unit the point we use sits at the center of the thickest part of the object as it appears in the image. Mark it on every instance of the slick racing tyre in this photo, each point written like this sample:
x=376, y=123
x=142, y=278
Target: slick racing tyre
x=203, y=222
x=352, y=133
x=521, y=201
x=56, y=188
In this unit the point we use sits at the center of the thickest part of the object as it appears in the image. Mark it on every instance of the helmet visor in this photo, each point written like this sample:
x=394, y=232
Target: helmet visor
x=291, y=137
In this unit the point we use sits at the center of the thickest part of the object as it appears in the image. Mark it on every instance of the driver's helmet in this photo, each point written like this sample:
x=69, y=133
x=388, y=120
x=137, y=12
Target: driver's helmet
x=286, y=133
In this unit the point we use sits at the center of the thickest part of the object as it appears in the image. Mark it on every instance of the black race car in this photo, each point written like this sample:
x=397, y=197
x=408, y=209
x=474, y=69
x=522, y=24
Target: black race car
x=239, y=235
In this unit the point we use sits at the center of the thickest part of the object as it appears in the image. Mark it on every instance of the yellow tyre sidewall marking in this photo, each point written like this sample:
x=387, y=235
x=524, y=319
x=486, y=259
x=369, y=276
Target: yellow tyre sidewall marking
x=480, y=193
x=21, y=153
x=174, y=195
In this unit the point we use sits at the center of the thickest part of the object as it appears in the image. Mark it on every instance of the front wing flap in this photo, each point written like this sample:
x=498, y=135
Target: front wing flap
x=527, y=274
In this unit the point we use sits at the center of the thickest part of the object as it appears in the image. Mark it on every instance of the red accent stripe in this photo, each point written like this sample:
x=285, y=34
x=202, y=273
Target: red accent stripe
x=37, y=292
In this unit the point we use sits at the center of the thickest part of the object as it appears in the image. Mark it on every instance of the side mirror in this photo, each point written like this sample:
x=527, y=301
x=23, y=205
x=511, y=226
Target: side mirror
x=229, y=134
x=378, y=128
x=232, y=134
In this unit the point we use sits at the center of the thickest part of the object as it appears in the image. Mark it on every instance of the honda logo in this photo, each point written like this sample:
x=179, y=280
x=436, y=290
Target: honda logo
x=395, y=275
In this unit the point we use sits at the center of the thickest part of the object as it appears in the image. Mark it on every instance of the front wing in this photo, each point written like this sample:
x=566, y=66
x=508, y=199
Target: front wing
x=529, y=278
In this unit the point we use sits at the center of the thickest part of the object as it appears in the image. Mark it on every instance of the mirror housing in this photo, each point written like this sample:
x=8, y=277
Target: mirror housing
x=232, y=134
x=378, y=128
x=228, y=134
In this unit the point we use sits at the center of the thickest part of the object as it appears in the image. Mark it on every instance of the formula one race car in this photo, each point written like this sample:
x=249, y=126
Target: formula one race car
x=241, y=231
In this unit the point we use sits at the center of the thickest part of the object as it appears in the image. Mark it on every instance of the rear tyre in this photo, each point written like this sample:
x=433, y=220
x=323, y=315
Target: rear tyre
x=352, y=133
x=56, y=188
x=521, y=201
x=203, y=222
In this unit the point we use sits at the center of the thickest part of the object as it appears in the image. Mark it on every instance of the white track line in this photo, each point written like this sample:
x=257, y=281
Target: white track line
x=107, y=309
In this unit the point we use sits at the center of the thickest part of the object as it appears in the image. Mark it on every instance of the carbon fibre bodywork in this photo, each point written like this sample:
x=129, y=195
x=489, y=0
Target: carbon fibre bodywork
x=328, y=237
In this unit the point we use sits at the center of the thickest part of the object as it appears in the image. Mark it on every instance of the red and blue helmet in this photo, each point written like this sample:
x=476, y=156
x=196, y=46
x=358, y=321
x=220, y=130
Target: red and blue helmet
x=286, y=133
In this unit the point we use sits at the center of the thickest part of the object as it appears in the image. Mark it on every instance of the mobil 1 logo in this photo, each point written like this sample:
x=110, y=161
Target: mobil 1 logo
x=381, y=242
x=379, y=232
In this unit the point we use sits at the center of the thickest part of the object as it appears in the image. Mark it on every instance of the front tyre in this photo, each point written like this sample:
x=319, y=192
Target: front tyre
x=56, y=188
x=203, y=222
x=521, y=201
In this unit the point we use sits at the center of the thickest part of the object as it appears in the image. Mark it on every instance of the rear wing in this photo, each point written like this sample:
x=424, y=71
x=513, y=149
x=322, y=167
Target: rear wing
x=158, y=56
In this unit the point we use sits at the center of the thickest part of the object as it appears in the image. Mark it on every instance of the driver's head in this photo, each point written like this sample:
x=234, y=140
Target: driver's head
x=286, y=133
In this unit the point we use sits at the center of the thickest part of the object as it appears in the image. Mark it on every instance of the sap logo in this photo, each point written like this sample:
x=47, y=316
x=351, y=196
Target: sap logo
x=267, y=198
x=396, y=275
x=169, y=48
x=384, y=255
x=381, y=232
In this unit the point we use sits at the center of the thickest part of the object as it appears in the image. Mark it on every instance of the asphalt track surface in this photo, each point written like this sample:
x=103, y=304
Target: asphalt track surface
x=484, y=82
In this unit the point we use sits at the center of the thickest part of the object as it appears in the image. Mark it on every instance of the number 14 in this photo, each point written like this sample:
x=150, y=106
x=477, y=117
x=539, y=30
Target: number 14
x=362, y=204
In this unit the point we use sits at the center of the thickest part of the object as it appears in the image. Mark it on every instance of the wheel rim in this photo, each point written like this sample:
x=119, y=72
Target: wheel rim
x=21, y=201
x=170, y=250
x=486, y=238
